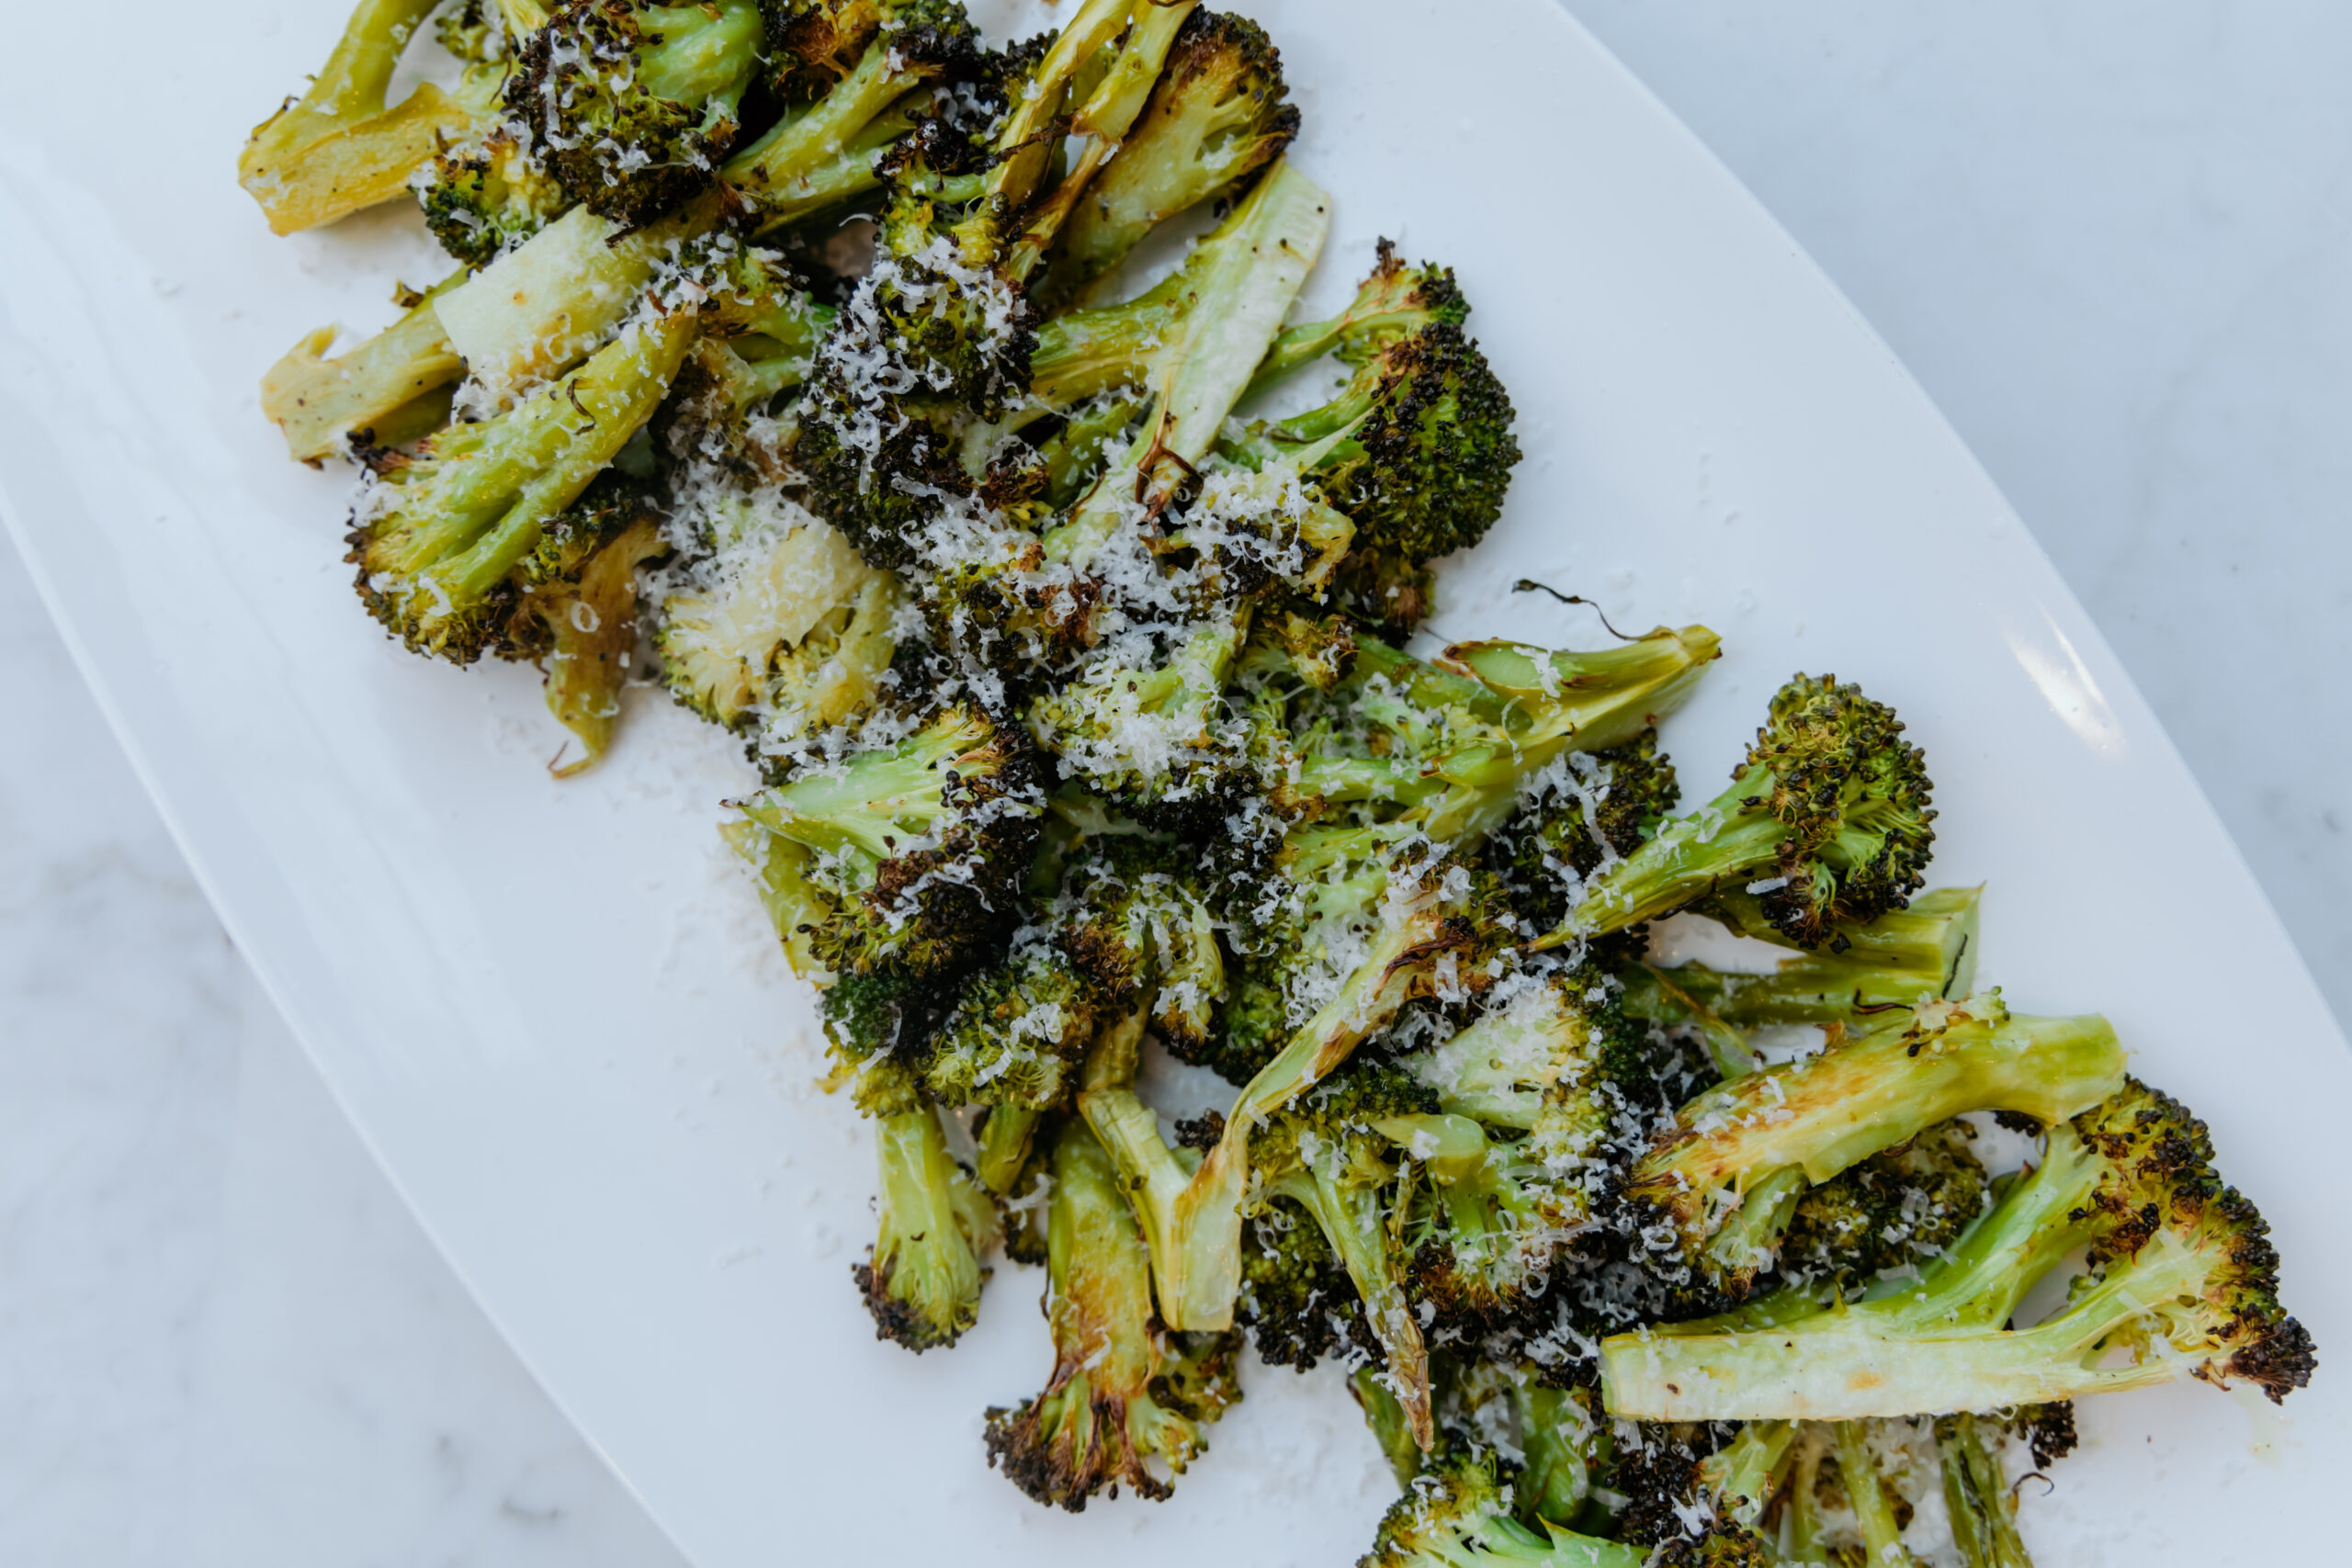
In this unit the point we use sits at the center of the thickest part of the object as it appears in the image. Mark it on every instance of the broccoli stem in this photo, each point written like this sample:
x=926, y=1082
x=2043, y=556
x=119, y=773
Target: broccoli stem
x=1837, y=1108
x=1745, y=1472
x=1241, y=281
x=1004, y=1142
x=1026, y=154
x=773, y=174
x=320, y=403
x=705, y=55
x=1873, y=1512
x=336, y=149
x=1386, y=1417
x=1928, y=950
x=1354, y=1220
x=1977, y=1497
x=924, y=1282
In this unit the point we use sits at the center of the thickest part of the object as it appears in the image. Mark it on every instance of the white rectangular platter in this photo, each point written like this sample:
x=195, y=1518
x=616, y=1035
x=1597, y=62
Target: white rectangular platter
x=553, y=1008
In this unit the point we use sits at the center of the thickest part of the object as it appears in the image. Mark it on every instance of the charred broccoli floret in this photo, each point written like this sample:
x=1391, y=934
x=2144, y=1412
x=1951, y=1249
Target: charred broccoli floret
x=1217, y=115
x=1896, y=1210
x=1739, y=1157
x=1827, y=820
x=1296, y=1300
x=1125, y=1391
x=1583, y=810
x=1017, y=1034
x=630, y=107
x=1134, y=917
x=486, y=194
x=2182, y=1281
x=910, y=855
x=1394, y=302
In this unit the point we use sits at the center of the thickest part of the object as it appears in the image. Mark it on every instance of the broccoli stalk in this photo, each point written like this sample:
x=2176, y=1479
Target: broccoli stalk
x=1192, y=1208
x=1866, y=1494
x=387, y=392
x=910, y=856
x=1928, y=951
x=2183, y=1280
x=1828, y=819
x=1753, y=1145
x=337, y=147
x=922, y=1279
x=1977, y=1497
x=1396, y=302
x=1125, y=1393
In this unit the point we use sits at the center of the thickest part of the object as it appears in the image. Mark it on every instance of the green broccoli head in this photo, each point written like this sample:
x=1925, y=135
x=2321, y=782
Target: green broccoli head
x=484, y=195
x=1135, y=914
x=1418, y=449
x=1219, y=113
x=813, y=46
x=890, y=1013
x=1898, y=1209
x=1582, y=810
x=910, y=856
x=629, y=107
x=1827, y=822
x=1017, y=1033
x=1296, y=1300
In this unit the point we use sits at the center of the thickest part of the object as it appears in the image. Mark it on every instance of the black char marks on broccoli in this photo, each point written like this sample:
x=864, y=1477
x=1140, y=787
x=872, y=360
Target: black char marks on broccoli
x=1576, y=814
x=631, y=107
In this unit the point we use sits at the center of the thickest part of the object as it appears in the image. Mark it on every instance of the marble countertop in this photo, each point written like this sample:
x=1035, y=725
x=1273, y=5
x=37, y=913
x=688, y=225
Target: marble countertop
x=2115, y=256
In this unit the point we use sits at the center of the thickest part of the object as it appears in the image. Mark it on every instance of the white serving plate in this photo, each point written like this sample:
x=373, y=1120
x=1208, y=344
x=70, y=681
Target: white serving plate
x=553, y=1010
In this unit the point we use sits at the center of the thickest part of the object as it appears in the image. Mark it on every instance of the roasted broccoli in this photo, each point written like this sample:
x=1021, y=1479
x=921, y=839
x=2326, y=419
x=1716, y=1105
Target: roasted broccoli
x=630, y=107
x=1126, y=1394
x=1827, y=820
x=2182, y=1281
x=1458, y=1512
x=910, y=855
x=922, y=1279
x=1732, y=1168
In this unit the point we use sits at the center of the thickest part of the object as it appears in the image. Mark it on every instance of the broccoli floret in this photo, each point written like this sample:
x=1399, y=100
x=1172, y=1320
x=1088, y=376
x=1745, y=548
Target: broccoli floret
x=2182, y=1280
x=922, y=1279
x=1296, y=1300
x=1459, y=1512
x=1828, y=819
x=1217, y=115
x=1417, y=450
x=1332, y=1152
x=337, y=147
x=1135, y=919
x=855, y=64
x=485, y=195
x=1395, y=302
x=630, y=107
x=1893, y=1211
x=1925, y=952
x=1385, y=591
x=438, y=541
x=1581, y=811
x=910, y=855
x=779, y=628
x=1526, y=1092
x=1739, y=1157
x=890, y=1013
x=1125, y=1393
x=1017, y=1034
x=578, y=610
x=387, y=390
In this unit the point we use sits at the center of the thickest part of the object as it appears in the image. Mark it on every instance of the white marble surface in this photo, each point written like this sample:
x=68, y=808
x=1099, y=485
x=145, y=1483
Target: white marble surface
x=2113, y=251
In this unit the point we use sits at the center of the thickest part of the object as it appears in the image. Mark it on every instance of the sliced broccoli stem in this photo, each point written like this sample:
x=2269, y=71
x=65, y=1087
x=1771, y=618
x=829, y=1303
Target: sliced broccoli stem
x=705, y=55
x=1240, y=280
x=1026, y=154
x=1745, y=1473
x=1835, y=1109
x=776, y=170
x=1003, y=1145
